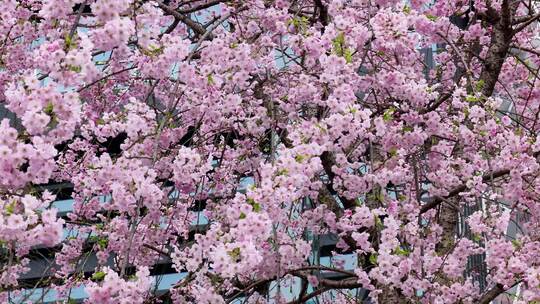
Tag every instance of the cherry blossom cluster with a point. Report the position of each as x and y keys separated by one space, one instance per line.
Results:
x=229 y=139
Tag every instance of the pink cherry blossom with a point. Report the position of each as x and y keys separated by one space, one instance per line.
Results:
x=271 y=151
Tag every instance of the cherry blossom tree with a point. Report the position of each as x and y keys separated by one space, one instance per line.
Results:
x=328 y=107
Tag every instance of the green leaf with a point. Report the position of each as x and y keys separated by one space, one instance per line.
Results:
x=401 y=251
x=10 y=208
x=476 y=237
x=517 y=244
x=98 y=276
x=242 y=215
x=407 y=129
x=132 y=277
x=152 y=51
x=340 y=48
x=300 y=23
x=407 y=9
x=234 y=254
x=347 y=54
x=339 y=40
x=480 y=84
x=470 y=98
x=300 y=158
x=373 y=258
x=49 y=109
x=54 y=121
x=74 y=68
x=431 y=17
x=210 y=79
x=388 y=114
x=69 y=42
x=103 y=242
x=156 y=50
x=257 y=207
x=380 y=196
x=378 y=223
x=339 y=43
x=323 y=129
x=283 y=172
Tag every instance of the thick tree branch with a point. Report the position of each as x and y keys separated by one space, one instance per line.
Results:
x=526 y=23
x=498 y=50
x=324 y=18
x=328 y=161
x=197 y=28
x=493 y=293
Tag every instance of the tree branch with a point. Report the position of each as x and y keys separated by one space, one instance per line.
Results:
x=197 y=28
x=201 y=7
x=493 y=293
x=436 y=104
x=526 y=23
x=436 y=200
